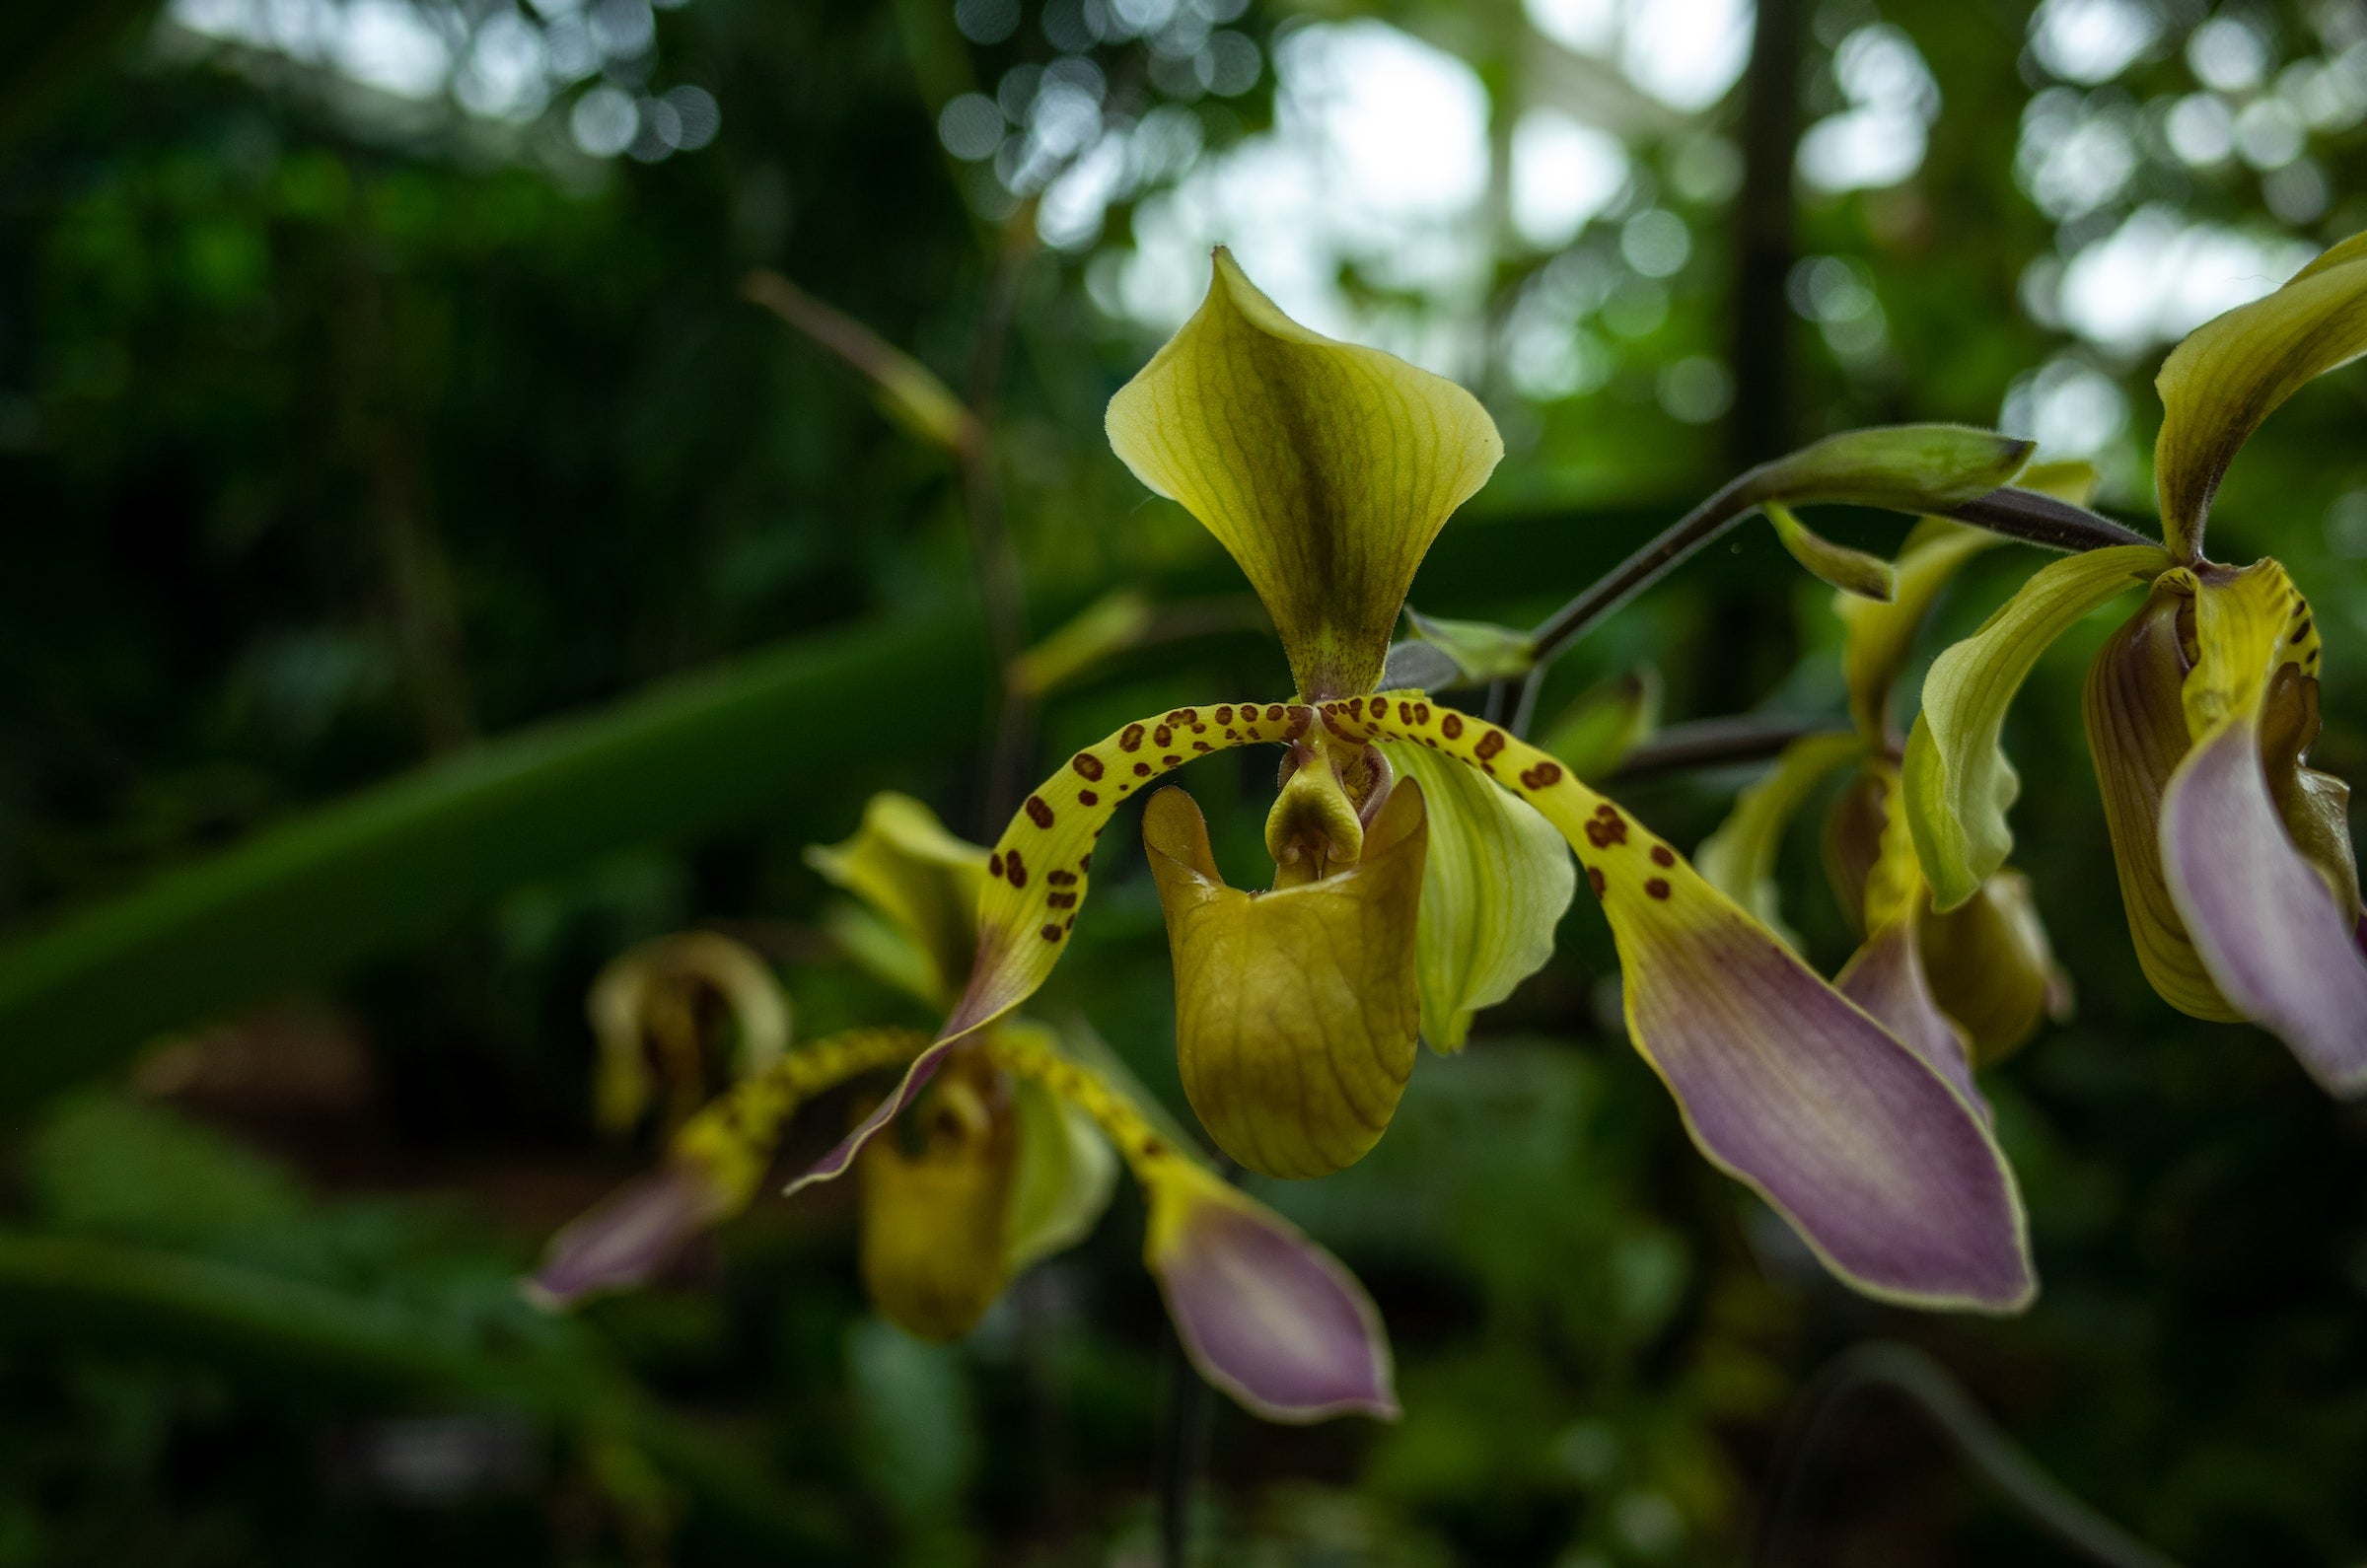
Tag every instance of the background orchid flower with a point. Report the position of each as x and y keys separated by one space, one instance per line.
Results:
x=1009 y=1157
x=1325 y=470
x=2236 y=865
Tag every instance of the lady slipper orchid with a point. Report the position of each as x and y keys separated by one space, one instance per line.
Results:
x=2235 y=858
x=1008 y=1158
x=1325 y=470
x=1963 y=987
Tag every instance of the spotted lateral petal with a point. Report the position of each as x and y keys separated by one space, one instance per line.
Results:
x=1879 y=1164
x=1038 y=873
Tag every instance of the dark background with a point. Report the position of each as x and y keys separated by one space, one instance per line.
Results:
x=361 y=420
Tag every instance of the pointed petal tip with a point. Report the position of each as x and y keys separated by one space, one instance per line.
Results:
x=629 y=1237
x=1265 y=1315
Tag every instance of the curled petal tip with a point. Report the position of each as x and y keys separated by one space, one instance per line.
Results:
x=624 y=1241
x=1265 y=1315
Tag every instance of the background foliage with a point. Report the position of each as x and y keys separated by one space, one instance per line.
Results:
x=400 y=495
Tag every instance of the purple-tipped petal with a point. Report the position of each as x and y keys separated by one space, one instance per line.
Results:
x=2263 y=919
x=841 y=1158
x=1886 y=977
x=622 y=1242
x=1264 y=1313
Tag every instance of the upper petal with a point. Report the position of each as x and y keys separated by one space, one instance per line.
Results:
x=1957 y=782
x=2231 y=372
x=1296 y=1010
x=1495 y=885
x=919 y=879
x=1881 y=1165
x=1326 y=468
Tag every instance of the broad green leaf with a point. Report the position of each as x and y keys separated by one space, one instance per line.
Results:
x=1498 y=880
x=1956 y=781
x=1481 y=651
x=2232 y=371
x=1325 y=469
x=1853 y=572
x=299 y=902
x=1913 y=469
x=1739 y=859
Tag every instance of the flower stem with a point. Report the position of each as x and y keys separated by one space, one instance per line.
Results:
x=1717 y=742
x=1935 y=1391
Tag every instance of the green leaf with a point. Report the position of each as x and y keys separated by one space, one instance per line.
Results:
x=1957 y=780
x=297 y=903
x=1496 y=887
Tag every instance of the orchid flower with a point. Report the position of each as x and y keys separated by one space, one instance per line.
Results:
x=1965 y=987
x=1417 y=877
x=2235 y=857
x=1011 y=1156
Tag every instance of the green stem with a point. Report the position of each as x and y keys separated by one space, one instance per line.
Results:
x=1934 y=1390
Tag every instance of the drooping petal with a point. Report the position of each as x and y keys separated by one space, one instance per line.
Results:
x=1887 y=978
x=920 y=879
x=1296 y=1010
x=1957 y=782
x=1991 y=968
x=2136 y=723
x=2269 y=924
x=935 y=1235
x=1739 y=859
x=1264 y=1313
x=1324 y=467
x=1497 y=882
x=1039 y=869
x=1887 y=1172
x=624 y=1241
x=2233 y=371
x=1854 y=572
x=2260 y=915
x=712 y=1168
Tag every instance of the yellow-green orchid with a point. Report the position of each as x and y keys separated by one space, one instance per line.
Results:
x=1009 y=1157
x=1415 y=880
x=1965 y=987
x=2235 y=858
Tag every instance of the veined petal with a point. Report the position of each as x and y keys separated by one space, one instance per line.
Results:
x=1296 y=1010
x=920 y=879
x=1957 y=782
x=1877 y=1161
x=1739 y=859
x=1497 y=882
x=1887 y=978
x=2270 y=926
x=1325 y=469
x=2136 y=723
x=2259 y=914
x=1039 y=871
x=2232 y=371
x=1264 y=1313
